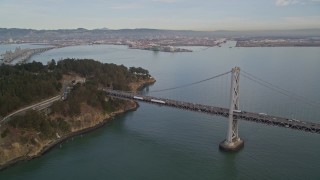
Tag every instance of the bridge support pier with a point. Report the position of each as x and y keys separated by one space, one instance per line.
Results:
x=233 y=141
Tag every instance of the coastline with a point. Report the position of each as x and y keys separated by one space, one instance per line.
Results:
x=55 y=142
x=51 y=145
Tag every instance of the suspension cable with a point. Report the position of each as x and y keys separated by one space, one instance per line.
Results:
x=278 y=89
x=190 y=84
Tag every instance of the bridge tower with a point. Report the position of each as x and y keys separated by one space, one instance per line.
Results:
x=233 y=141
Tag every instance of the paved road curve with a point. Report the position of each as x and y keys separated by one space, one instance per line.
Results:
x=38 y=106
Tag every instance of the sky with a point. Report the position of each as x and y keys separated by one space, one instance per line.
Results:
x=204 y=15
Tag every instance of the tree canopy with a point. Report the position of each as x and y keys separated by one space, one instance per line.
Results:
x=23 y=84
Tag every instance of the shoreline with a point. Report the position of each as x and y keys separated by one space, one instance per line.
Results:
x=50 y=146
x=55 y=142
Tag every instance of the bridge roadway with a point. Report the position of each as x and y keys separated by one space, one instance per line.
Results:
x=23 y=54
x=32 y=52
x=248 y=116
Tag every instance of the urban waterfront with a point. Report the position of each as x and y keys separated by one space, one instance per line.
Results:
x=157 y=142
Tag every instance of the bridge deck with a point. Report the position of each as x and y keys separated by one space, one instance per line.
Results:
x=24 y=54
x=248 y=116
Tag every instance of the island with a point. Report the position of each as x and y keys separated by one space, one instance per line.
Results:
x=43 y=105
x=156 y=47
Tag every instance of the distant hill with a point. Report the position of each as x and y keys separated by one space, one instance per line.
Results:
x=104 y=33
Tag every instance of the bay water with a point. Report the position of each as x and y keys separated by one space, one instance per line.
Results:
x=157 y=142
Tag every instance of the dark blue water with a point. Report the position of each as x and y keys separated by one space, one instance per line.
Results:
x=157 y=142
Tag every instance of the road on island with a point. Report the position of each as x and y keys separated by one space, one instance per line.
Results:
x=38 y=106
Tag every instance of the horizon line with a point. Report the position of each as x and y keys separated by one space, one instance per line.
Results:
x=104 y=28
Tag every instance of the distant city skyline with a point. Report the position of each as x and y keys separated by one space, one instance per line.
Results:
x=202 y=15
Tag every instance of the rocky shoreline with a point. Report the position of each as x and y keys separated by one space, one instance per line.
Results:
x=51 y=145
x=55 y=142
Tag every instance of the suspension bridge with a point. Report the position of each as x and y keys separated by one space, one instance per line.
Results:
x=233 y=142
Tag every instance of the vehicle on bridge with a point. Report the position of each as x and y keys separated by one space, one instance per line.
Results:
x=238 y=111
x=158 y=101
x=138 y=97
x=296 y=120
x=263 y=114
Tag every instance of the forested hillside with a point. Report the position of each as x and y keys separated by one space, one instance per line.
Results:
x=84 y=105
x=21 y=85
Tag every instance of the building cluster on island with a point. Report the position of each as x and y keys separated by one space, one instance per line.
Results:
x=170 y=45
x=156 y=47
